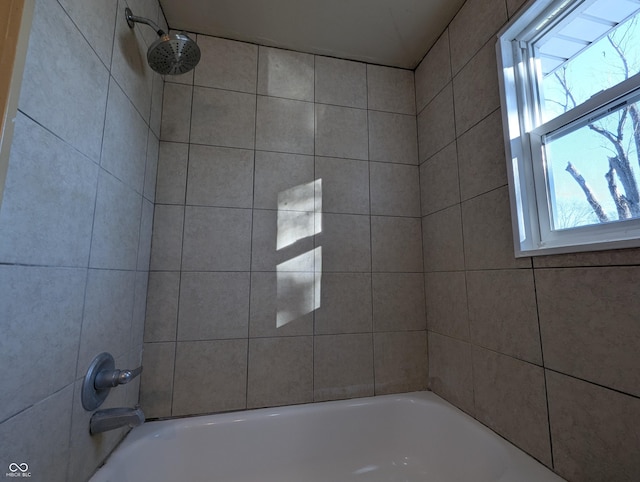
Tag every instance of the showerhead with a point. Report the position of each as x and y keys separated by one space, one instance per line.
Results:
x=170 y=54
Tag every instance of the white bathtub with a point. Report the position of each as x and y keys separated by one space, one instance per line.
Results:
x=408 y=437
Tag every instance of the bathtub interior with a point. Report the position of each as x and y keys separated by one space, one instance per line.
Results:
x=415 y=437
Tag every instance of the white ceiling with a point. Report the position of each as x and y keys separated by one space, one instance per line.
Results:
x=388 y=32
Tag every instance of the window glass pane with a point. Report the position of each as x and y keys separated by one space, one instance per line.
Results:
x=604 y=62
x=593 y=171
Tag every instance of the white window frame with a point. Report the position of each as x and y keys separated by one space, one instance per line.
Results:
x=523 y=134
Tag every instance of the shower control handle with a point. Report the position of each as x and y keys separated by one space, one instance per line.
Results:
x=113 y=378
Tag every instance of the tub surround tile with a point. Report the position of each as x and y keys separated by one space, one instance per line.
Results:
x=139 y=312
x=282 y=304
x=513 y=6
x=434 y=72
x=475 y=89
x=341 y=132
x=47 y=211
x=42 y=307
x=340 y=82
x=162 y=306
x=503 y=314
x=442 y=240
x=589 y=324
x=451 y=370
x=393 y=138
x=594 y=430
x=395 y=189
x=447 y=309
x=345 y=304
x=213 y=306
x=343 y=367
x=488 y=238
x=396 y=244
x=166 y=241
x=280 y=371
x=53 y=75
x=157 y=95
x=285 y=73
x=344 y=241
x=510 y=399
x=615 y=257
x=156 y=381
x=476 y=22
x=439 y=185
x=171 y=183
x=216 y=239
x=436 y=124
x=222 y=118
x=151 y=167
x=45 y=445
x=344 y=185
x=391 y=90
x=202 y=367
x=481 y=157
x=277 y=175
x=227 y=64
x=176 y=112
x=400 y=361
x=398 y=302
x=220 y=176
x=284 y=125
x=146 y=229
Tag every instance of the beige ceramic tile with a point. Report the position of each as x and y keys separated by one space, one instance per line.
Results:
x=451 y=370
x=391 y=90
x=436 y=124
x=488 y=235
x=439 y=187
x=396 y=244
x=395 y=189
x=341 y=132
x=220 y=176
x=593 y=258
x=216 y=239
x=39 y=437
x=172 y=173
x=481 y=157
x=475 y=89
x=502 y=312
x=513 y=6
x=393 y=138
x=139 y=310
x=442 y=240
x=162 y=306
x=343 y=367
x=398 y=302
x=476 y=22
x=202 y=367
x=42 y=308
x=176 y=112
x=166 y=243
x=151 y=167
x=446 y=299
x=344 y=242
x=589 y=324
x=340 y=82
x=344 y=185
x=434 y=72
x=222 y=118
x=156 y=381
x=594 y=430
x=227 y=64
x=285 y=73
x=345 y=304
x=277 y=174
x=280 y=371
x=284 y=125
x=400 y=361
x=510 y=399
x=213 y=306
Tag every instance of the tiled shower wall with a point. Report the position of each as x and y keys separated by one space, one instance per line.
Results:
x=75 y=230
x=544 y=350
x=286 y=264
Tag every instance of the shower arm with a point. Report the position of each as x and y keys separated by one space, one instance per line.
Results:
x=132 y=19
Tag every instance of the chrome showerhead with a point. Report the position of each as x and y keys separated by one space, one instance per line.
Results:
x=170 y=54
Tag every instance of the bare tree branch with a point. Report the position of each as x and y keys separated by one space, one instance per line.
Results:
x=591 y=198
x=622 y=204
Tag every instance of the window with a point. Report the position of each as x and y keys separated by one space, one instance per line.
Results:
x=570 y=93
